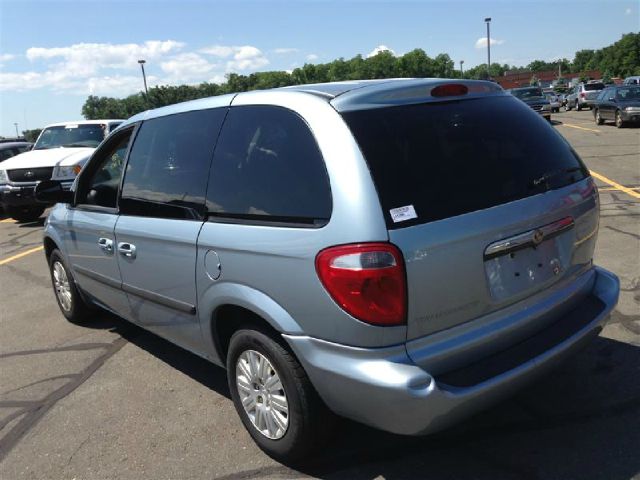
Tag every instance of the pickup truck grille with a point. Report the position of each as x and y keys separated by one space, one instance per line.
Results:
x=537 y=108
x=30 y=174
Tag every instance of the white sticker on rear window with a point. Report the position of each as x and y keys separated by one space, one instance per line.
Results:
x=402 y=214
x=69 y=127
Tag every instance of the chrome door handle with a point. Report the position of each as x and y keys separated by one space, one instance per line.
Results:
x=127 y=249
x=105 y=244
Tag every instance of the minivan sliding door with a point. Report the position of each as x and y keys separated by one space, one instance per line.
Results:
x=162 y=211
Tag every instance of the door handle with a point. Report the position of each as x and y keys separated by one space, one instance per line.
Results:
x=127 y=249
x=105 y=244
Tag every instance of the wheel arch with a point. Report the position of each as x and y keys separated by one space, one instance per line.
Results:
x=225 y=308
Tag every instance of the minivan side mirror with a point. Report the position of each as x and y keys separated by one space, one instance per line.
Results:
x=51 y=191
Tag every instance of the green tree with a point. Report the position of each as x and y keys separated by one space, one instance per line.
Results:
x=31 y=135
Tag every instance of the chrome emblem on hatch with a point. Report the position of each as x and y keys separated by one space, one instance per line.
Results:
x=29 y=174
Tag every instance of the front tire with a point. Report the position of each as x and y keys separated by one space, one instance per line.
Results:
x=619 y=121
x=598 y=118
x=274 y=397
x=71 y=304
x=25 y=214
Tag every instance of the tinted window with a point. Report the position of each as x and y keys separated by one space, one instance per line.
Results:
x=6 y=153
x=450 y=158
x=101 y=187
x=169 y=164
x=525 y=93
x=593 y=86
x=267 y=166
x=628 y=93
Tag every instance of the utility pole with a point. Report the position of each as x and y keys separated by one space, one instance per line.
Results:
x=144 y=76
x=16 y=125
x=488 y=21
x=461 y=71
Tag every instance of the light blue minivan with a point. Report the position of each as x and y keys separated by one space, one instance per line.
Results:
x=398 y=252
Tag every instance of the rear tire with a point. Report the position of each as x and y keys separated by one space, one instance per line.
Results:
x=567 y=107
x=71 y=303
x=25 y=214
x=262 y=371
x=619 y=121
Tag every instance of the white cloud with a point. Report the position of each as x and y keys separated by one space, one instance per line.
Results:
x=627 y=11
x=186 y=67
x=482 y=42
x=312 y=57
x=218 y=51
x=282 y=51
x=5 y=57
x=113 y=69
x=245 y=57
x=88 y=58
x=378 y=49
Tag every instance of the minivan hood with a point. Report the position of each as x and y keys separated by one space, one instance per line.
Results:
x=47 y=158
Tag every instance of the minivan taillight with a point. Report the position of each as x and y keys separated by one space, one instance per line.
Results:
x=367 y=280
x=582 y=94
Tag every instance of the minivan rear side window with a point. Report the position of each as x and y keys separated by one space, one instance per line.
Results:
x=454 y=157
x=267 y=167
x=168 y=167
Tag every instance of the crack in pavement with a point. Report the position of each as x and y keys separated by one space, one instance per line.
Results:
x=33 y=411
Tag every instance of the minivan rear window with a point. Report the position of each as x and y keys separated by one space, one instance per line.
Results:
x=593 y=86
x=450 y=158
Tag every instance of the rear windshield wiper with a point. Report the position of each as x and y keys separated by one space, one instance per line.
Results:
x=544 y=179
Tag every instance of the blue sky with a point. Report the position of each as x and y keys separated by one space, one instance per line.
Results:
x=53 y=54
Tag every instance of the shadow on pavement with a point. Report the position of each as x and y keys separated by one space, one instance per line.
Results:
x=582 y=421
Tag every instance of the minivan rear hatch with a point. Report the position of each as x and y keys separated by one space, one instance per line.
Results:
x=487 y=203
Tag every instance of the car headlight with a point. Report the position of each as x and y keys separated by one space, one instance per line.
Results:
x=546 y=107
x=632 y=109
x=67 y=172
x=3 y=177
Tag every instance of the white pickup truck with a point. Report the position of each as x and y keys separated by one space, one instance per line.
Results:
x=59 y=153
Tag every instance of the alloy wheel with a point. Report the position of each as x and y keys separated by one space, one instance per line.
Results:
x=62 y=286
x=262 y=394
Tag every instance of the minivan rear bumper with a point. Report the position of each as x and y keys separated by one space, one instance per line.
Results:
x=385 y=389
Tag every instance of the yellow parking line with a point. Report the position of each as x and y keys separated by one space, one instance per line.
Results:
x=20 y=255
x=615 y=185
x=7 y=220
x=579 y=128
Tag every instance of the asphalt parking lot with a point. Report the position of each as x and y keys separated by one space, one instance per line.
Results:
x=110 y=400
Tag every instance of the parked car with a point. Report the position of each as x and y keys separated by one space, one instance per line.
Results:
x=533 y=97
x=308 y=240
x=620 y=104
x=59 y=152
x=632 y=80
x=554 y=100
x=11 y=149
x=583 y=95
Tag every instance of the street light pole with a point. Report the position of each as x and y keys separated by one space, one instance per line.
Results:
x=488 y=20
x=144 y=76
x=16 y=125
x=461 y=71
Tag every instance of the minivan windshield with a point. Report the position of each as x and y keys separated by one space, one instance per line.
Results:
x=525 y=93
x=76 y=135
x=449 y=158
x=593 y=86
